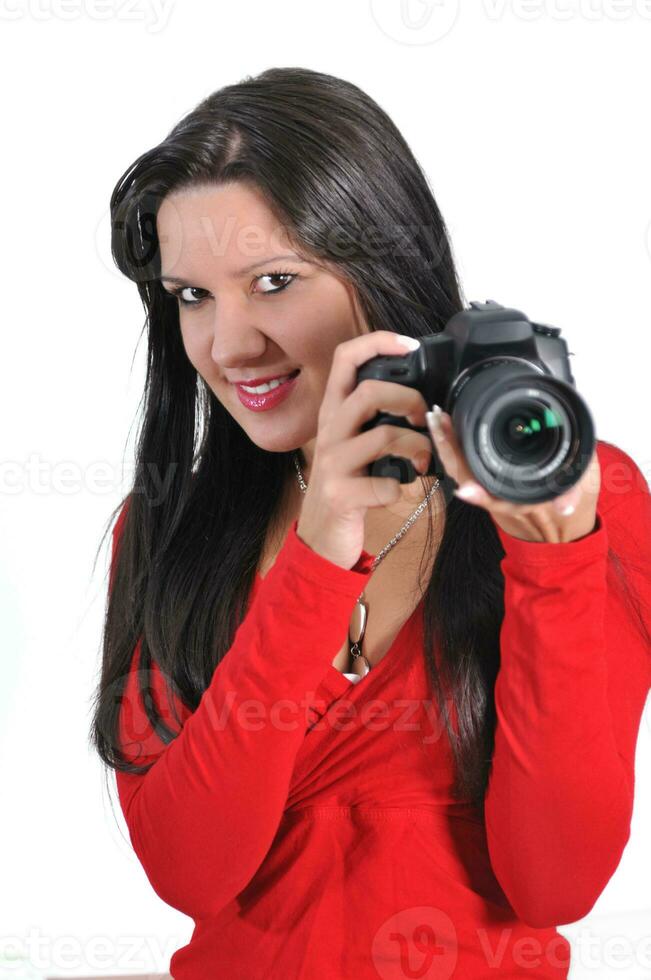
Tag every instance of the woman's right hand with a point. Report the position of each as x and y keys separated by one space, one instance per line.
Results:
x=331 y=521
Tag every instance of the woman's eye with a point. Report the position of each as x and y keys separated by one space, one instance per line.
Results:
x=185 y=301
x=188 y=302
x=276 y=275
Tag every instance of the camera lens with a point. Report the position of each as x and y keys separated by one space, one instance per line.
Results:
x=526 y=435
x=527 y=432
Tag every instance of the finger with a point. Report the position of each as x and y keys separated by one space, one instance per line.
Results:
x=567 y=503
x=350 y=355
x=469 y=489
x=447 y=446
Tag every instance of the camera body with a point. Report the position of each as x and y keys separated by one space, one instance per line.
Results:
x=506 y=383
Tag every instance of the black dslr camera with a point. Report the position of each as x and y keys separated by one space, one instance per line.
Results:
x=506 y=383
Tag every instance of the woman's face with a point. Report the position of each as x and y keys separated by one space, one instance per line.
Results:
x=250 y=314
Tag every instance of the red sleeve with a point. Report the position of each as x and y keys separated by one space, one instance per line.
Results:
x=202 y=819
x=570 y=691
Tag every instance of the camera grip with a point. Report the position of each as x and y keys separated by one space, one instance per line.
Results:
x=401 y=468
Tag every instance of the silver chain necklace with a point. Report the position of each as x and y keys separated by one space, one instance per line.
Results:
x=359 y=617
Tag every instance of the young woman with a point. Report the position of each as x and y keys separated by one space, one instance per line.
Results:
x=359 y=728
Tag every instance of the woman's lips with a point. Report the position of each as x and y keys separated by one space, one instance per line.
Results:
x=268 y=400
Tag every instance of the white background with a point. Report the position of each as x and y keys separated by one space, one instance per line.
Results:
x=531 y=121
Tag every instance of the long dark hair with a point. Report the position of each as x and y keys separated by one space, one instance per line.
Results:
x=332 y=164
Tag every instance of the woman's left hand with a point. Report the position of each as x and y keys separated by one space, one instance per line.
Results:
x=552 y=521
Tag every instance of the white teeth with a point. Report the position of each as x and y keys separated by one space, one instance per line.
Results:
x=268 y=386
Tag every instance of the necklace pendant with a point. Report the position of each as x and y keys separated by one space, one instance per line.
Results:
x=360 y=663
x=358 y=623
x=356 y=635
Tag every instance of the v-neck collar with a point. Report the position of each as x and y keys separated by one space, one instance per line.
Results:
x=334 y=679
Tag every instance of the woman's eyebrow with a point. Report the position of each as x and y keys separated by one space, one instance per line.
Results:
x=243 y=271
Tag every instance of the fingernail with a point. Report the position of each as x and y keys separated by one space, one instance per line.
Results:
x=564 y=507
x=467 y=491
x=434 y=421
x=411 y=343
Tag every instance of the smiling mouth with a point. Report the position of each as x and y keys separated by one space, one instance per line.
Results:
x=265 y=385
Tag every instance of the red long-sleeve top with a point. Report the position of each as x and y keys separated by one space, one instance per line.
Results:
x=306 y=823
